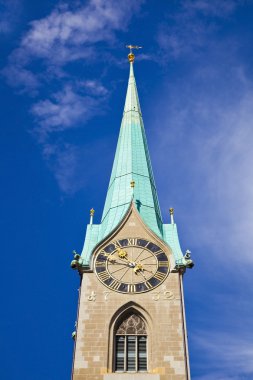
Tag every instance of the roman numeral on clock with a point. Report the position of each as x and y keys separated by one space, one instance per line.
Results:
x=100 y=263
x=162 y=264
x=104 y=275
x=148 y=285
x=131 y=288
x=104 y=253
x=116 y=244
x=115 y=284
x=160 y=276
x=131 y=241
x=158 y=252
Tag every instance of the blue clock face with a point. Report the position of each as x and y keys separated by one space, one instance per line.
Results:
x=131 y=265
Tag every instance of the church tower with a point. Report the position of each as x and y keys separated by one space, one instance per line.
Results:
x=131 y=317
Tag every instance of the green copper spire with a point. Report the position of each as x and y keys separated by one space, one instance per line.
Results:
x=131 y=180
x=132 y=177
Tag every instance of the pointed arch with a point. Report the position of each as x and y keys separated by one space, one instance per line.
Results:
x=121 y=225
x=129 y=338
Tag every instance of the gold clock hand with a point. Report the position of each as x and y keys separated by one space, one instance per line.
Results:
x=149 y=271
x=121 y=253
x=138 y=267
x=114 y=262
x=111 y=259
x=145 y=278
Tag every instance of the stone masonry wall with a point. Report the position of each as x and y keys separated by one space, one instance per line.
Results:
x=161 y=308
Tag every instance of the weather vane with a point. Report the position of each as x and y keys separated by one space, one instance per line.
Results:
x=131 y=54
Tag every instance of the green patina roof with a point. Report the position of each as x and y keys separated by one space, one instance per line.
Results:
x=131 y=163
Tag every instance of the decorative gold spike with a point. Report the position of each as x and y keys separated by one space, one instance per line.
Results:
x=92 y=212
x=132 y=183
x=171 y=211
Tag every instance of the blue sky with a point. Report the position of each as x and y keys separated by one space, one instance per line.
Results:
x=64 y=74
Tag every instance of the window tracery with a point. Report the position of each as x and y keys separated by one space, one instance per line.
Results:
x=131 y=345
x=132 y=325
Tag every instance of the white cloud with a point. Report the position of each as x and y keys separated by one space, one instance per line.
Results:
x=9 y=11
x=191 y=29
x=217 y=8
x=67 y=35
x=231 y=356
x=68 y=162
x=18 y=76
x=209 y=135
x=61 y=35
x=64 y=110
x=65 y=160
x=94 y=88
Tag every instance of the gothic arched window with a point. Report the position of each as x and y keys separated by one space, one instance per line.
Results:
x=131 y=345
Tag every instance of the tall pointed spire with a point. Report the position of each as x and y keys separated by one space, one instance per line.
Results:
x=131 y=164
x=132 y=181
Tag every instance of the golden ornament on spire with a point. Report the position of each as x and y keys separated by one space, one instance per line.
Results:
x=131 y=54
x=171 y=211
x=132 y=183
x=92 y=212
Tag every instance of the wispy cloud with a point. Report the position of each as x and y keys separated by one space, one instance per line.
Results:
x=40 y=63
x=94 y=88
x=231 y=356
x=20 y=77
x=66 y=161
x=72 y=164
x=209 y=132
x=9 y=11
x=188 y=31
x=66 y=109
x=67 y=35
x=64 y=35
x=217 y=8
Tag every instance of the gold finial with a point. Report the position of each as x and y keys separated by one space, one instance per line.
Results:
x=131 y=54
x=132 y=183
x=92 y=212
x=171 y=211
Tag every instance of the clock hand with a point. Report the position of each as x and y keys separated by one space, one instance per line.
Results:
x=111 y=259
x=142 y=275
x=114 y=262
x=109 y=256
x=123 y=255
x=138 y=267
x=148 y=270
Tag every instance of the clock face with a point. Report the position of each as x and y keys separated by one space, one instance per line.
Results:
x=132 y=265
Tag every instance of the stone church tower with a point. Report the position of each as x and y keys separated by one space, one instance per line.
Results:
x=131 y=318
